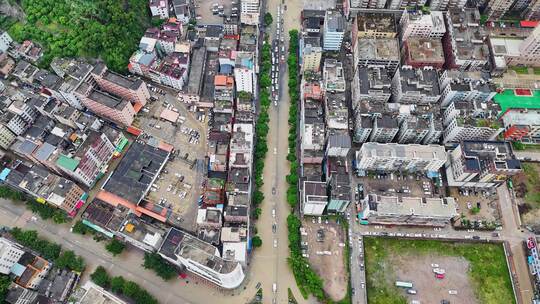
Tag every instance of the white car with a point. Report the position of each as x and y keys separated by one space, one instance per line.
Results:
x=275 y=243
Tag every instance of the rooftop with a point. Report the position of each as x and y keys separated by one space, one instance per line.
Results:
x=377 y=22
x=479 y=154
x=334 y=21
x=107 y=100
x=180 y=244
x=374 y=79
x=418 y=206
x=505 y=46
x=333 y=75
x=337 y=111
x=469 y=36
x=412 y=151
x=378 y=49
x=522 y=117
x=196 y=73
x=423 y=80
x=425 y=50
x=136 y=172
x=518 y=99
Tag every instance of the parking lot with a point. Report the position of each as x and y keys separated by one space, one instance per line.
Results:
x=208 y=11
x=325 y=246
x=179 y=184
x=478 y=206
x=400 y=185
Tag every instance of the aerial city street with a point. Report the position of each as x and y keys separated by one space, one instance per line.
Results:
x=269 y=151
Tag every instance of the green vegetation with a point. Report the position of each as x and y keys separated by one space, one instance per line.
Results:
x=475 y=210
x=108 y=29
x=520 y=70
x=488 y=271
x=161 y=267
x=256 y=241
x=532 y=195
x=517 y=145
x=5 y=282
x=50 y=251
x=115 y=247
x=122 y=287
x=268 y=19
x=294 y=94
x=81 y=228
x=44 y=211
x=257 y=213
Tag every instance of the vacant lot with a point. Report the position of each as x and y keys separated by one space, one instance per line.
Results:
x=478 y=272
x=326 y=255
x=527 y=187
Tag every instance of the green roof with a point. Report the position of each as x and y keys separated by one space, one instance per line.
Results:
x=67 y=163
x=508 y=100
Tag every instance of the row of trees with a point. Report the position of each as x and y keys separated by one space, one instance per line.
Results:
x=63 y=259
x=306 y=278
x=43 y=210
x=122 y=287
x=292 y=63
x=261 y=131
x=109 y=29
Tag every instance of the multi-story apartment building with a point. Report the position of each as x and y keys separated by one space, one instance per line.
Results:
x=7 y=137
x=333 y=30
x=396 y=157
x=336 y=111
x=496 y=9
x=249 y=12
x=403 y=4
x=522 y=125
x=311 y=53
x=532 y=12
x=92 y=157
x=333 y=76
x=201 y=259
x=530 y=48
x=465 y=120
x=481 y=164
x=159 y=8
x=73 y=72
x=465 y=45
x=416 y=86
x=10 y=253
x=312 y=132
x=44 y=186
x=423 y=52
x=375 y=25
x=244 y=72
x=372 y=83
x=422 y=25
x=419 y=129
x=181 y=10
x=314 y=197
x=444 y=5
x=353 y=6
x=462 y=86
x=5 y=41
x=377 y=52
x=133 y=90
x=384 y=129
x=112 y=108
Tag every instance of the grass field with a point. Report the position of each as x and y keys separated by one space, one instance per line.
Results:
x=532 y=195
x=488 y=270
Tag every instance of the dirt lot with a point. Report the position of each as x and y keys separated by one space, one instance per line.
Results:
x=418 y=271
x=330 y=267
x=179 y=184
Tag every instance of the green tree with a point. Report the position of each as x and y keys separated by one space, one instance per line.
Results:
x=258 y=197
x=131 y=289
x=101 y=277
x=517 y=145
x=475 y=210
x=265 y=81
x=256 y=241
x=117 y=284
x=155 y=262
x=268 y=19
x=115 y=247
x=68 y=259
x=5 y=282
x=257 y=213
x=80 y=228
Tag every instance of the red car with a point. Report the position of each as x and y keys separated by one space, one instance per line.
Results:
x=439 y=276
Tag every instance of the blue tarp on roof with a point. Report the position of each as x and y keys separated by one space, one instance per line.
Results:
x=18 y=269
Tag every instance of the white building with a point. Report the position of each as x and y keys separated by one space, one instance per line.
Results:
x=244 y=72
x=530 y=47
x=420 y=25
x=10 y=253
x=5 y=41
x=314 y=197
x=159 y=8
x=334 y=30
x=396 y=157
x=311 y=53
x=249 y=12
x=201 y=259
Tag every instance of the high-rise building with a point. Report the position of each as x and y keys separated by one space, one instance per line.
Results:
x=5 y=41
x=422 y=25
x=333 y=31
x=497 y=8
x=530 y=47
x=311 y=53
x=10 y=253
